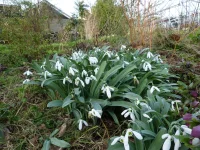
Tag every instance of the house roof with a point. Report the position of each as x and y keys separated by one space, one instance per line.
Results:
x=56 y=9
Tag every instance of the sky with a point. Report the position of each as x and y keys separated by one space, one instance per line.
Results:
x=68 y=6
x=176 y=6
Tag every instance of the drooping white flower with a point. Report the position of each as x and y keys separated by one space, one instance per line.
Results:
x=28 y=73
x=88 y=79
x=58 y=65
x=129 y=112
x=153 y=88
x=81 y=122
x=130 y=132
x=67 y=79
x=43 y=65
x=196 y=141
x=84 y=73
x=107 y=89
x=123 y=47
x=177 y=143
x=176 y=103
x=47 y=74
x=120 y=139
x=95 y=113
x=135 y=80
x=125 y=63
x=167 y=143
x=147 y=66
x=117 y=57
x=157 y=59
x=149 y=55
x=148 y=117
x=108 y=53
x=93 y=60
x=186 y=129
x=77 y=55
x=72 y=71
x=96 y=70
x=78 y=80
x=26 y=81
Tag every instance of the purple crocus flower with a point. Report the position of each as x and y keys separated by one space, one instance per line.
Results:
x=196 y=131
x=187 y=117
x=194 y=93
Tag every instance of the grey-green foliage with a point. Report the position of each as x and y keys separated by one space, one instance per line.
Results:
x=110 y=17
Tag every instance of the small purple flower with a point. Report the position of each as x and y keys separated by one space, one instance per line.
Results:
x=196 y=131
x=187 y=117
x=194 y=103
x=194 y=94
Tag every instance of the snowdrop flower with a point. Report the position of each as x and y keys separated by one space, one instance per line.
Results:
x=130 y=132
x=84 y=73
x=148 y=117
x=135 y=80
x=117 y=57
x=96 y=70
x=129 y=112
x=158 y=59
x=146 y=66
x=43 y=65
x=153 y=88
x=120 y=139
x=108 y=53
x=93 y=60
x=134 y=58
x=167 y=143
x=107 y=90
x=81 y=122
x=95 y=113
x=149 y=55
x=28 y=73
x=58 y=65
x=177 y=143
x=26 y=81
x=47 y=74
x=72 y=71
x=175 y=102
x=67 y=79
x=123 y=47
x=75 y=56
x=196 y=141
x=186 y=129
x=78 y=80
x=88 y=79
x=125 y=63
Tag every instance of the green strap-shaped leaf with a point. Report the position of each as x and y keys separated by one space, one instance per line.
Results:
x=121 y=104
x=100 y=72
x=113 y=115
x=122 y=74
x=109 y=73
x=46 y=145
x=55 y=103
x=59 y=143
x=158 y=141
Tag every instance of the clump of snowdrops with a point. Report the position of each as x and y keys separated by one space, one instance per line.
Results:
x=105 y=82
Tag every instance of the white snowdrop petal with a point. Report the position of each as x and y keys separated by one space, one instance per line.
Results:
x=80 y=124
x=137 y=135
x=195 y=141
x=167 y=144
x=115 y=140
x=123 y=112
